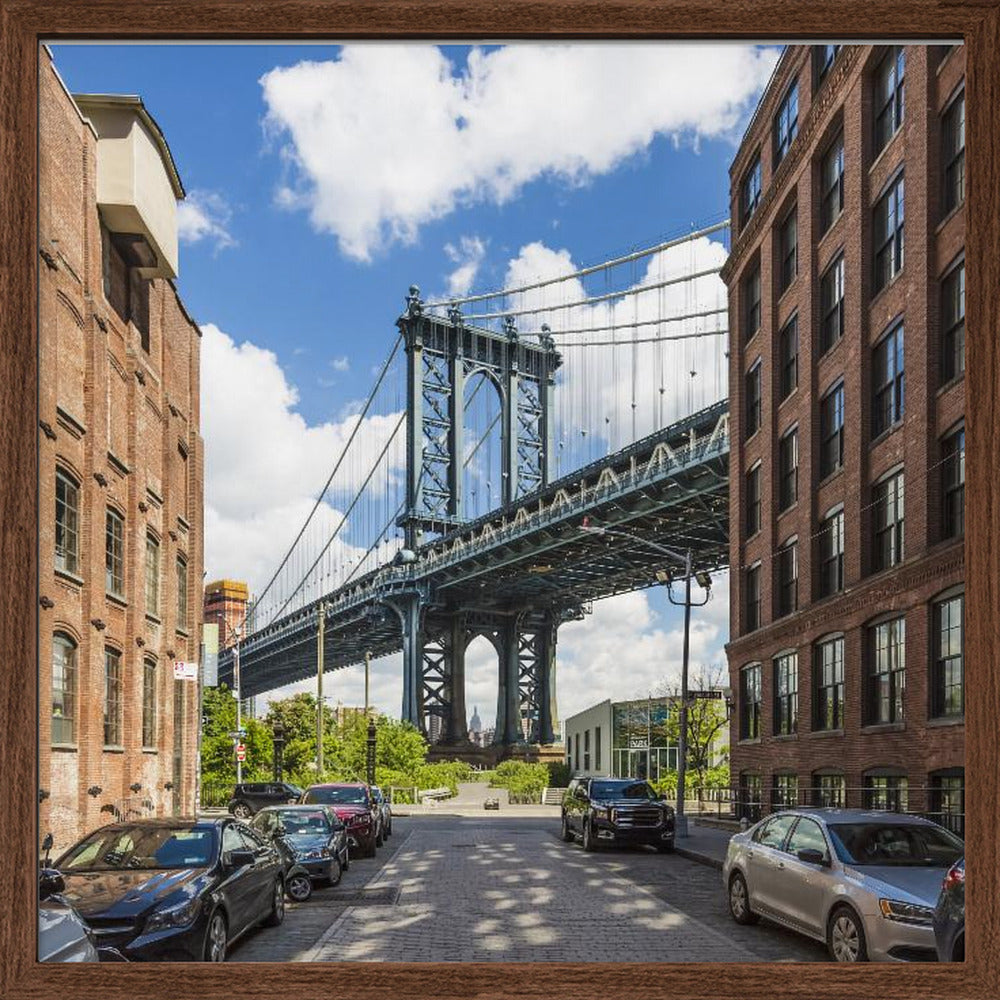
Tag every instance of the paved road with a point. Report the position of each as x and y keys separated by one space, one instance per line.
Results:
x=499 y=889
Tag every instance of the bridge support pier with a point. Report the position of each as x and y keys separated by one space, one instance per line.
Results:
x=526 y=689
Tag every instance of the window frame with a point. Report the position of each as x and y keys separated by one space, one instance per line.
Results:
x=832 y=797
x=889 y=792
x=114 y=552
x=888 y=97
x=828 y=684
x=893 y=700
x=152 y=575
x=754 y=400
x=831 y=430
x=67 y=670
x=788 y=354
x=823 y=60
x=889 y=379
x=752 y=302
x=182 y=588
x=953 y=482
x=750 y=708
x=831 y=186
x=886 y=556
x=754 y=504
x=150 y=677
x=889 y=233
x=953 y=323
x=785 y=676
x=750 y=190
x=113 y=696
x=832 y=526
x=953 y=154
x=754 y=599
x=788 y=588
x=786 y=122
x=66 y=557
x=942 y=659
x=831 y=298
x=788 y=250
x=788 y=474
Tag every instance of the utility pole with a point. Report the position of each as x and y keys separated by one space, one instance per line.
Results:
x=368 y=663
x=680 y=819
x=239 y=703
x=319 y=689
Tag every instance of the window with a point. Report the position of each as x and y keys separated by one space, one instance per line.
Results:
x=597 y=748
x=182 y=594
x=786 y=123
x=750 y=192
x=788 y=250
x=149 y=702
x=831 y=431
x=831 y=295
x=785 y=793
x=889 y=511
x=831 y=178
x=125 y=289
x=953 y=484
x=774 y=831
x=887 y=235
x=823 y=57
x=887 y=673
x=753 y=501
x=953 y=153
x=586 y=749
x=788 y=577
x=788 y=347
x=748 y=806
x=114 y=553
x=807 y=836
x=577 y=744
x=750 y=702
x=63 y=689
x=888 y=381
x=112 y=697
x=788 y=469
x=830 y=790
x=753 y=399
x=786 y=693
x=888 y=96
x=831 y=554
x=888 y=791
x=949 y=657
x=953 y=323
x=751 y=298
x=753 y=597
x=152 y=575
x=829 y=674
x=948 y=800
x=67 y=523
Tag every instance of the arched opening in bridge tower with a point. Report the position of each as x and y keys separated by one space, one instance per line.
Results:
x=482 y=447
x=482 y=674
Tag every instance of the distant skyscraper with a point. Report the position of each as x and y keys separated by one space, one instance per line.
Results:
x=476 y=727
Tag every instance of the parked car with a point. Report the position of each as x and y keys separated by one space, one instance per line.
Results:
x=62 y=934
x=315 y=837
x=949 y=915
x=354 y=805
x=616 y=811
x=173 y=889
x=250 y=797
x=864 y=882
x=385 y=809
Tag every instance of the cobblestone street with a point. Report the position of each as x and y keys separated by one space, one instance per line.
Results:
x=452 y=888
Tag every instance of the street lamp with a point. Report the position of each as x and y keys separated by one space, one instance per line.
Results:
x=370 y=757
x=664 y=577
x=278 y=737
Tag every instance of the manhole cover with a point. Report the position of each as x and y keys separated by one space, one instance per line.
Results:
x=382 y=895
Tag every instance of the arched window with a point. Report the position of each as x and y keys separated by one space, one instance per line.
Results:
x=149 y=702
x=63 y=689
x=67 y=554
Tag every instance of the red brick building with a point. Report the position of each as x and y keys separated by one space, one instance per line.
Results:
x=121 y=460
x=226 y=606
x=846 y=309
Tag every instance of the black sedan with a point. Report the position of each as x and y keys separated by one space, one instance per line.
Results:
x=315 y=835
x=949 y=915
x=173 y=889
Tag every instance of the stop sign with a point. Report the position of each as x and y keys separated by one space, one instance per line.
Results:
x=241 y=752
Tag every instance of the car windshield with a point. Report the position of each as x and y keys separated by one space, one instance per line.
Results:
x=338 y=794
x=621 y=790
x=299 y=821
x=905 y=844
x=141 y=848
x=294 y=790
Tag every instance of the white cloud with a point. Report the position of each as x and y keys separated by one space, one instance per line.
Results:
x=468 y=255
x=340 y=364
x=205 y=215
x=264 y=466
x=482 y=130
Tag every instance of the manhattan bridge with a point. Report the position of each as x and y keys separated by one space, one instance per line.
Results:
x=497 y=427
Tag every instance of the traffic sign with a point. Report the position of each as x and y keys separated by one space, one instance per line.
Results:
x=712 y=695
x=241 y=752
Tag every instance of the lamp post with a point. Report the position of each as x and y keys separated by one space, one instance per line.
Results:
x=370 y=757
x=278 y=736
x=664 y=577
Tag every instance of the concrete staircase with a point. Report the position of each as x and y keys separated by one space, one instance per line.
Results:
x=552 y=796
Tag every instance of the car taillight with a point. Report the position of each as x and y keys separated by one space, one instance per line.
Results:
x=954 y=878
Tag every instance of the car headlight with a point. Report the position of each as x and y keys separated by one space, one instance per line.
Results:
x=905 y=913
x=174 y=916
x=602 y=812
x=312 y=855
x=359 y=820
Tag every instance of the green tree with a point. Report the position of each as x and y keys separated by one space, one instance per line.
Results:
x=218 y=750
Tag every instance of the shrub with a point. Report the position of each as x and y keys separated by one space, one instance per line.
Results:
x=559 y=774
x=520 y=778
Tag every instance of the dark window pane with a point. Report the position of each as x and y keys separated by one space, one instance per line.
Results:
x=887 y=671
x=888 y=96
x=753 y=399
x=953 y=154
x=888 y=380
x=786 y=694
x=832 y=305
x=753 y=501
x=832 y=184
x=788 y=470
x=888 y=517
x=750 y=192
x=788 y=578
x=829 y=673
x=953 y=484
x=831 y=554
x=887 y=234
x=953 y=323
x=786 y=123
x=831 y=424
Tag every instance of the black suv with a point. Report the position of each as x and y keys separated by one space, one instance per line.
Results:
x=248 y=798
x=616 y=811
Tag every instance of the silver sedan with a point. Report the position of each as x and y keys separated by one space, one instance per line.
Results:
x=865 y=882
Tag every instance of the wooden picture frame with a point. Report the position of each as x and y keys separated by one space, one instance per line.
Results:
x=26 y=24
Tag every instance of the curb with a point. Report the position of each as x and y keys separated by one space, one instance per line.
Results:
x=697 y=856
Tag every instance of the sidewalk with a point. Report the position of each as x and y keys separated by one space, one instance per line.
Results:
x=705 y=844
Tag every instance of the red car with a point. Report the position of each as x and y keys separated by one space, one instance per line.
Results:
x=355 y=807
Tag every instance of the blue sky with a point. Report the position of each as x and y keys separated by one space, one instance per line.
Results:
x=323 y=181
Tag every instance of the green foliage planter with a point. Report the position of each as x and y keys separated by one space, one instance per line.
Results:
x=521 y=779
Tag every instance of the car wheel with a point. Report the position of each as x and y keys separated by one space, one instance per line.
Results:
x=388 y=831
x=589 y=843
x=379 y=838
x=739 y=900
x=346 y=864
x=845 y=936
x=277 y=914
x=299 y=888
x=369 y=848
x=336 y=872
x=242 y=811
x=566 y=833
x=216 y=943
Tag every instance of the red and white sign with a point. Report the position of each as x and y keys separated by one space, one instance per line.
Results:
x=185 y=671
x=241 y=752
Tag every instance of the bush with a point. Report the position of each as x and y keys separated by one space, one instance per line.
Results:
x=559 y=774
x=520 y=778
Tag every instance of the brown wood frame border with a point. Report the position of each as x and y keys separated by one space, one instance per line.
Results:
x=23 y=23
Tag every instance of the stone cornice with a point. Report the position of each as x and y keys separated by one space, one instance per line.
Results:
x=870 y=594
x=828 y=94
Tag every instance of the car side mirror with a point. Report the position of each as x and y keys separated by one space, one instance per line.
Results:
x=238 y=859
x=50 y=882
x=811 y=856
